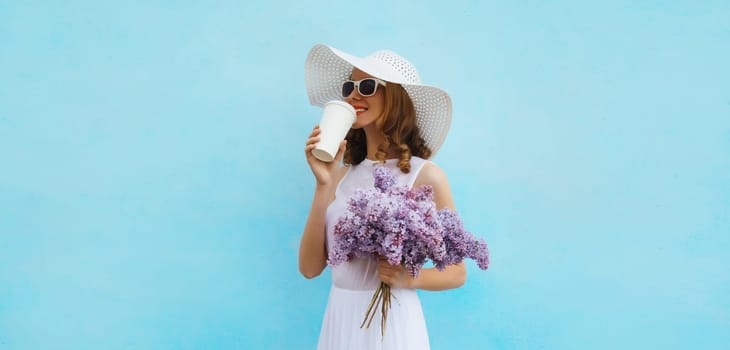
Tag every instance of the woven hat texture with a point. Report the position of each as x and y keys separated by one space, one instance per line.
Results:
x=327 y=68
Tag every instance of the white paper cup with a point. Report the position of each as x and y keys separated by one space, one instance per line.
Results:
x=337 y=119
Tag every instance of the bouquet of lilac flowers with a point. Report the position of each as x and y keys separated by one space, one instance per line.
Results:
x=404 y=227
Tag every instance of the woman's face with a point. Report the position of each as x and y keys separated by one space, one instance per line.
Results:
x=368 y=108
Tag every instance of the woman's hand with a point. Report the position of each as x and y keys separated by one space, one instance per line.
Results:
x=394 y=275
x=324 y=172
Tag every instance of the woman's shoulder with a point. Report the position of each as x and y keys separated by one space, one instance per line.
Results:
x=430 y=174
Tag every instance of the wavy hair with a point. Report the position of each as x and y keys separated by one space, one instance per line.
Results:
x=397 y=124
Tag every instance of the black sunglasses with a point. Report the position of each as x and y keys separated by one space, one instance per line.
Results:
x=365 y=87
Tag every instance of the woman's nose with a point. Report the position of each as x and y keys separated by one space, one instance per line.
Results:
x=354 y=95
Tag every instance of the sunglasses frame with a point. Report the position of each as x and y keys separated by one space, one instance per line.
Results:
x=356 y=87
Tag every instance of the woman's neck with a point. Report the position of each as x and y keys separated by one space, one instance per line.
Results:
x=374 y=139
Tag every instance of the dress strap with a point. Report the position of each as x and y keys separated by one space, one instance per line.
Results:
x=337 y=190
x=416 y=166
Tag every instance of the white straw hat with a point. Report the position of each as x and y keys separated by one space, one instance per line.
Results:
x=327 y=68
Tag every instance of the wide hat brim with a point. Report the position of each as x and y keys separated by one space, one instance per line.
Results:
x=327 y=68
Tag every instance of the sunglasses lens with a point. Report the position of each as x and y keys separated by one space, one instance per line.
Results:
x=367 y=87
x=347 y=88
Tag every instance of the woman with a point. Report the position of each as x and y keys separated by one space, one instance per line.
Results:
x=400 y=124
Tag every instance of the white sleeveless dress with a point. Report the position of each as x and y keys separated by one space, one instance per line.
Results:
x=354 y=282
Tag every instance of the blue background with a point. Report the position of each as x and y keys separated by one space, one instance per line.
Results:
x=153 y=186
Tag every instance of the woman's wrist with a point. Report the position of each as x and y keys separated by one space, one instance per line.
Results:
x=411 y=282
x=326 y=188
x=324 y=194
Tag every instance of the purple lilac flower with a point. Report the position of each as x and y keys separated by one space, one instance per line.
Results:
x=403 y=226
x=460 y=243
x=384 y=180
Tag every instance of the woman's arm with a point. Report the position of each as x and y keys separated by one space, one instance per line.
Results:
x=312 y=252
x=453 y=276
x=312 y=249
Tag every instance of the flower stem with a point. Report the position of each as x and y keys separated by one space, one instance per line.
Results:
x=381 y=299
x=375 y=301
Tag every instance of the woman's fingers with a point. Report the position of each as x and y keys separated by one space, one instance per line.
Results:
x=312 y=140
x=388 y=273
x=394 y=275
x=391 y=279
x=311 y=143
x=314 y=136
